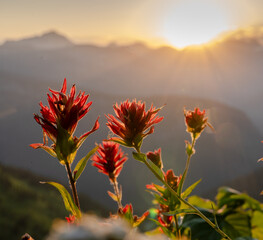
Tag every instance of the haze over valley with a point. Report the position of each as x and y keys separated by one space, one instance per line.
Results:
x=225 y=79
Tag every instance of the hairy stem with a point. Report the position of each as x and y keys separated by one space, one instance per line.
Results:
x=117 y=192
x=186 y=167
x=73 y=185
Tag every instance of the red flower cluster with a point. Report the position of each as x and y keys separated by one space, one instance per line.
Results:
x=195 y=122
x=109 y=159
x=60 y=120
x=132 y=122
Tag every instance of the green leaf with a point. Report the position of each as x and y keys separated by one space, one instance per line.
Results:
x=157 y=170
x=201 y=202
x=237 y=225
x=199 y=228
x=139 y=156
x=249 y=202
x=82 y=164
x=234 y=199
x=65 y=146
x=69 y=204
x=159 y=188
x=234 y=224
x=49 y=150
x=257 y=225
x=180 y=186
x=189 y=149
x=113 y=196
x=119 y=141
x=223 y=196
x=186 y=193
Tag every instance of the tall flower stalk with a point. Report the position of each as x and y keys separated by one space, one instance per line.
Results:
x=59 y=121
x=109 y=159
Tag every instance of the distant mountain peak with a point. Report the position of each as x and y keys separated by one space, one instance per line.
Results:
x=48 y=40
x=53 y=34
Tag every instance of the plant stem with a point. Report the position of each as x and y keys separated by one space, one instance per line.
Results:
x=188 y=204
x=178 y=233
x=186 y=167
x=73 y=185
x=117 y=192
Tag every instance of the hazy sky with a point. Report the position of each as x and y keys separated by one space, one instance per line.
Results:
x=149 y=20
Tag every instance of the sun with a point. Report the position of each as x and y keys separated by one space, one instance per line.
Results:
x=194 y=22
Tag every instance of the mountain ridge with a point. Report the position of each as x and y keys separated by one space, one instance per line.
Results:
x=49 y=40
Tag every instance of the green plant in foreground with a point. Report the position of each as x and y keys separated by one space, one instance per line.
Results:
x=59 y=122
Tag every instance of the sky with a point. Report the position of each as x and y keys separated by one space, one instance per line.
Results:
x=174 y=22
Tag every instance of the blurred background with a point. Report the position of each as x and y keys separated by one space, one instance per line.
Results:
x=184 y=53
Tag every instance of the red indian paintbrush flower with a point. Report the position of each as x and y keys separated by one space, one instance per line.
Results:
x=60 y=120
x=195 y=122
x=109 y=159
x=132 y=122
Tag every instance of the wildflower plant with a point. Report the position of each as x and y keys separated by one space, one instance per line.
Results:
x=129 y=124
x=59 y=121
x=109 y=159
x=175 y=213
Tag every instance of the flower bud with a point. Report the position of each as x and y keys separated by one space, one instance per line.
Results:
x=156 y=158
x=195 y=122
x=172 y=180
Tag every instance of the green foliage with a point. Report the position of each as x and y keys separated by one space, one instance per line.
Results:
x=65 y=147
x=237 y=214
x=188 y=191
x=68 y=202
x=82 y=164
x=139 y=156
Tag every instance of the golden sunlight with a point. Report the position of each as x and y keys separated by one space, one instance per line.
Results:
x=194 y=22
